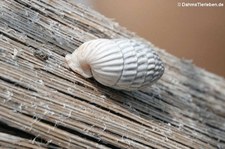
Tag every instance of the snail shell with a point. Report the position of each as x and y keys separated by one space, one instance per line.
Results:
x=126 y=64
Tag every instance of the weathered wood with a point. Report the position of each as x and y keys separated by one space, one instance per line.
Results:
x=45 y=104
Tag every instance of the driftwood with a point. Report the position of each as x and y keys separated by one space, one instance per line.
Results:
x=43 y=104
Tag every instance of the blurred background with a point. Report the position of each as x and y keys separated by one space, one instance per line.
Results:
x=196 y=33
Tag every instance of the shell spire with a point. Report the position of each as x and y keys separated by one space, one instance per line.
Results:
x=126 y=64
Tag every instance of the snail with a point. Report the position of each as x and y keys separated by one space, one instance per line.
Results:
x=125 y=64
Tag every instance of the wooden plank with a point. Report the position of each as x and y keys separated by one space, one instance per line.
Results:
x=42 y=97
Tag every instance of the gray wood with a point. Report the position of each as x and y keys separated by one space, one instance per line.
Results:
x=44 y=104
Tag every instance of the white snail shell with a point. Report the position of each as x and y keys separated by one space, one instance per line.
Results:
x=126 y=64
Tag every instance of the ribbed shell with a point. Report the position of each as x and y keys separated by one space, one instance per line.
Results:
x=126 y=64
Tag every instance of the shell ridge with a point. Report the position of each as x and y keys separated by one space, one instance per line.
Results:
x=148 y=50
x=105 y=52
x=98 y=44
x=122 y=82
x=127 y=64
x=122 y=67
x=102 y=71
x=86 y=50
x=133 y=45
x=105 y=58
x=141 y=72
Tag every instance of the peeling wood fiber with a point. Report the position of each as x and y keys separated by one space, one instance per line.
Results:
x=43 y=104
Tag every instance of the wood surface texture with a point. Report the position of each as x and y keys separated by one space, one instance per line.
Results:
x=44 y=104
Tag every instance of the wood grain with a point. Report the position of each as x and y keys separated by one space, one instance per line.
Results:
x=44 y=104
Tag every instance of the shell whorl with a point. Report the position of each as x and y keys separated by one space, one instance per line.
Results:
x=126 y=64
